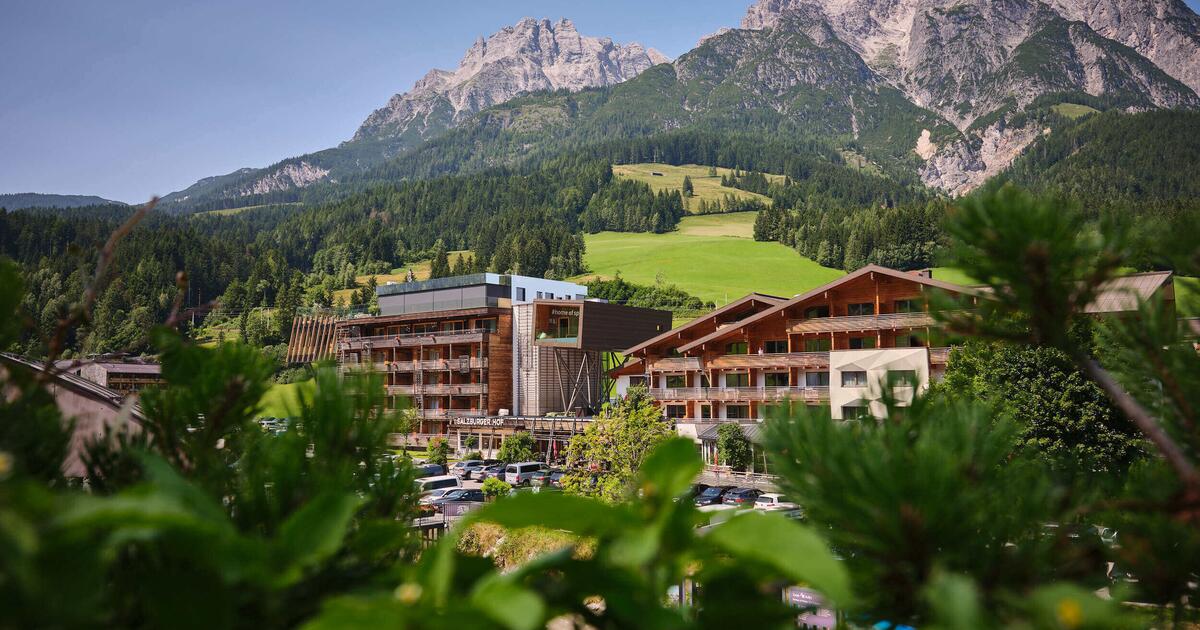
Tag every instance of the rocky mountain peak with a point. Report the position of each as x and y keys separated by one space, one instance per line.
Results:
x=529 y=56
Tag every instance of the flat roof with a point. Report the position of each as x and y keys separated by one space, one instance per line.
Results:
x=435 y=284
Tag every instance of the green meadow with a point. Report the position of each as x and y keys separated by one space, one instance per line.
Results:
x=664 y=177
x=712 y=257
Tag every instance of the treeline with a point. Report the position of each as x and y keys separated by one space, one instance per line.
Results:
x=661 y=296
x=629 y=206
x=903 y=237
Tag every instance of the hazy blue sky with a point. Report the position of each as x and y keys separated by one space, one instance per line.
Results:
x=132 y=98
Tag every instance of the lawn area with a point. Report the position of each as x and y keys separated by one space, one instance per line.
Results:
x=706 y=188
x=420 y=270
x=1187 y=296
x=709 y=256
x=1073 y=110
x=281 y=400
x=232 y=211
x=953 y=276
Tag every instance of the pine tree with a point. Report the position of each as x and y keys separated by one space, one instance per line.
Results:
x=460 y=267
x=440 y=267
x=688 y=189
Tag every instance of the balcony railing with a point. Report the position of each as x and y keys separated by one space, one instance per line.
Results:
x=720 y=394
x=856 y=323
x=451 y=413
x=939 y=356
x=811 y=360
x=432 y=365
x=413 y=339
x=438 y=389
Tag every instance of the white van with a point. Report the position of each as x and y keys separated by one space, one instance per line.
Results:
x=521 y=474
x=437 y=483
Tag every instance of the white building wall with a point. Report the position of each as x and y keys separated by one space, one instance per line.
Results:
x=876 y=363
x=559 y=289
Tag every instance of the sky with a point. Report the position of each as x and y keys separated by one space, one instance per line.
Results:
x=132 y=98
x=135 y=98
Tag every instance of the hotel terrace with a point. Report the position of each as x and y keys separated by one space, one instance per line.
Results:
x=835 y=345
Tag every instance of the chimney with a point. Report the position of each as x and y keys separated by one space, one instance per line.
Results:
x=924 y=273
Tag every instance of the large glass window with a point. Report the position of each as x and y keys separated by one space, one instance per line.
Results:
x=676 y=411
x=862 y=343
x=814 y=312
x=705 y=412
x=777 y=379
x=903 y=378
x=637 y=381
x=738 y=347
x=907 y=306
x=820 y=344
x=855 y=412
x=737 y=412
x=489 y=325
x=676 y=381
x=816 y=379
x=864 y=308
x=775 y=347
x=737 y=380
x=854 y=379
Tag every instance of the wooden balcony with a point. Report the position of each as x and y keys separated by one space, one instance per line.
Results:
x=860 y=323
x=803 y=360
x=939 y=356
x=413 y=339
x=676 y=364
x=434 y=365
x=468 y=389
x=740 y=394
x=451 y=413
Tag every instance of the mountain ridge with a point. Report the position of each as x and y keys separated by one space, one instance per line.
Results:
x=21 y=201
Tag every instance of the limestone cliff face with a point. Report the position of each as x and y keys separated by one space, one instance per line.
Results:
x=531 y=56
x=974 y=62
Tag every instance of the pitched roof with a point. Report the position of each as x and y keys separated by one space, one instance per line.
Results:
x=753 y=297
x=76 y=384
x=753 y=432
x=1122 y=294
x=869 y=269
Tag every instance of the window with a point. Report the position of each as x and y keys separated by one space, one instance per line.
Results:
x=676 y=381
x=520 y=294
x=704 y=380
x=705 y=412
x=855 y=412
x=907 y=306
x=854 y=379
x=815 y=312
x=737 y=412
x=821 y=344
x=816 y=379
x=903 y=378
x=865 y=308
x=737 y=380
x=540 y=295
x=489 y=325
x=862 y=343
x=676 y=411
x=637 y=381
x=738 y=347
x=775 y=347
x=778 y=379
x=909 y=341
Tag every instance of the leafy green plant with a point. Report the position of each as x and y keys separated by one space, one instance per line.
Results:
x=603 y=461
x=437 y=451
x=495 y=487
x=733 y=448
x=517 y=447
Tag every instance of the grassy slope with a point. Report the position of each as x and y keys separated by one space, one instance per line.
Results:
x=280 y=401
x=1073 y=110
x=420 y=270
x=706 y=188
x=711 y=257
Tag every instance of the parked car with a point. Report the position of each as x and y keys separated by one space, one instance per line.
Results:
x=429 y=470
x=741 y=497
x=459 y=494
x=521 y=474
x=459 y=469
x=495 y=471
x=542 y=477
x=555 y=479
x=773 y=502
x=711 y=495
x=443 y=482
x=695 y=491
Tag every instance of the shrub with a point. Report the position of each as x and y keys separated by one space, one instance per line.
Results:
x=493 y=487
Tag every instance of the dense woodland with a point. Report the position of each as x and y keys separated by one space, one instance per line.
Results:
x=531 y=219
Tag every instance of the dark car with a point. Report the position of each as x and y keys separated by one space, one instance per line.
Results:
x=460 y=495
x=541 y=477
x=555 y=479
x=741 y=497
x=488 y=472
x=711 y=495
x=696 y=490
x=428 y=470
